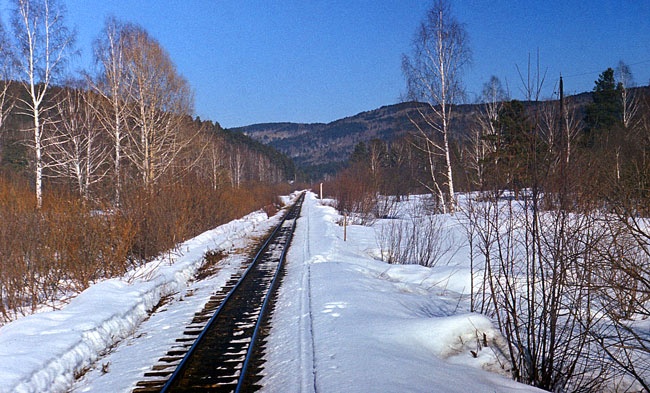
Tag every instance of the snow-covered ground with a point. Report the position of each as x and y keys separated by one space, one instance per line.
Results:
x=107 y=330
x=344 y=321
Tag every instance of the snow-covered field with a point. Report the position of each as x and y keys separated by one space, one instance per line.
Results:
x=345 y=321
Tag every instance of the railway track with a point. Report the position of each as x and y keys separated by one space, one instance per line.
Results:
x=221 y=349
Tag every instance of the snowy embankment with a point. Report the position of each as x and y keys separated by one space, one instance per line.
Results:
x=43 y=352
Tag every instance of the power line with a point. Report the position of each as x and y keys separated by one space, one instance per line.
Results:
x=598 y=72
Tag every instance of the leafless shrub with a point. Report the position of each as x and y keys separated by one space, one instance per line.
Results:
x=386 y=206
x=419 y=238
x=52 y=253
x=355 y=195
x=537 y=271
x=622 y=289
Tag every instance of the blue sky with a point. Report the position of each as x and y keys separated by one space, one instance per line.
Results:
x=318 y=61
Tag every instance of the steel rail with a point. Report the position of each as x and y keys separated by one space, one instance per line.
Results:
x=181 y=367
x=267 y=299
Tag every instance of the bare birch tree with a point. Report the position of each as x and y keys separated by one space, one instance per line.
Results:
x=214 y=161
x=43 y=45
x=75 y=150
x=492 y=98
x=112 y=85
x=484 y=136
x=559 y=129
x=433 y=76
x=161 y=100
x=236 y=166
x=629 y=102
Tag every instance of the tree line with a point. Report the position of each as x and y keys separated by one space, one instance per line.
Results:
x=103 y=169
x=127 y=120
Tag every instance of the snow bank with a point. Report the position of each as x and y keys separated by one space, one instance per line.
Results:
x=43 y=352
x=469 y=339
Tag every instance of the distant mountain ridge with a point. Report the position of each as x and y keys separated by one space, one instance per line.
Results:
x=319 y=149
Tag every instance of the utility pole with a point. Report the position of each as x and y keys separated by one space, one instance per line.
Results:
x=564 y=149
x=563 y=124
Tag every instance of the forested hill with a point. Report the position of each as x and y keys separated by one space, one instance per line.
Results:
x=233 y=156
x=319 y=149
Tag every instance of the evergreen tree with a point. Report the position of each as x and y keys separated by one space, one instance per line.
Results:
x=359 y=154
x=604 y=114
x=512 y=145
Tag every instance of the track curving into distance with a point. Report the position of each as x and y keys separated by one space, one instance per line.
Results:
x=221 y=350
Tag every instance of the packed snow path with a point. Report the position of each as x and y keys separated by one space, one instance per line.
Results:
x=344 y=320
